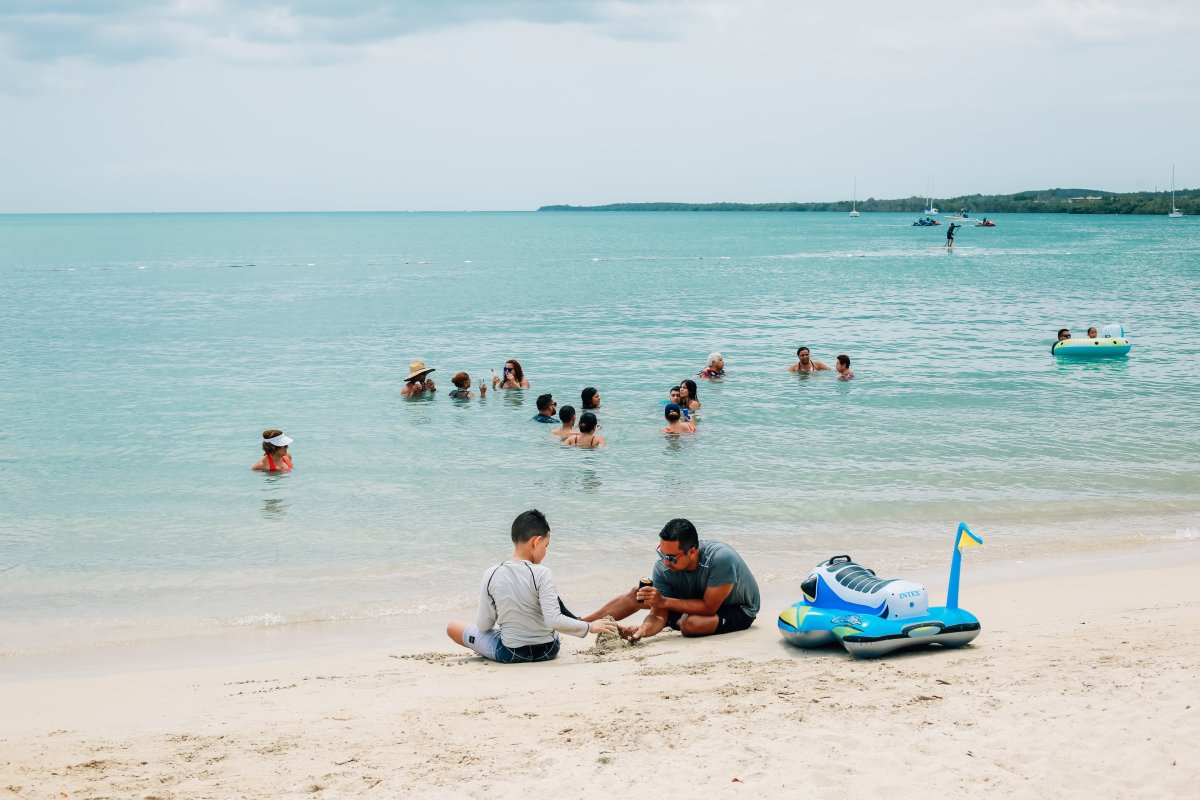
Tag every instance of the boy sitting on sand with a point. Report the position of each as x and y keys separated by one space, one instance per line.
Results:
x=519 y=611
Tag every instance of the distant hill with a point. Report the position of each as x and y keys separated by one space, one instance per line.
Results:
x=1053 y=201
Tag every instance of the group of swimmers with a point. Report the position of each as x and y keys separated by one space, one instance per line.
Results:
x=575 y=428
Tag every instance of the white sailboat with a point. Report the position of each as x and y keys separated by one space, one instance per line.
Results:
x=1175 y=212
x=930 y=211
x=854 y=203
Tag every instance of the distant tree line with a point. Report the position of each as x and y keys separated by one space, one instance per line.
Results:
x=1047 y=201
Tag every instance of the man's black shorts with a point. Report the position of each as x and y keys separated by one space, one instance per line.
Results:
x=730 y=618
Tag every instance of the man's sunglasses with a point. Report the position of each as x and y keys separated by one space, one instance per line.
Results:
x=670 y=559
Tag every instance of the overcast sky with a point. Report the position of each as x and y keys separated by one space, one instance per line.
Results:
x=201 y=105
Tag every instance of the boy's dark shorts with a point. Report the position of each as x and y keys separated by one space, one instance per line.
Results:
x=729 y=619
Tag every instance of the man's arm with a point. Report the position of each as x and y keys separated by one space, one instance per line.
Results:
x=714 y=598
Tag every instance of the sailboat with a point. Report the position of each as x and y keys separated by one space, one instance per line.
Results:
x=930 y=211
x=1175 y=212
x=854 y=204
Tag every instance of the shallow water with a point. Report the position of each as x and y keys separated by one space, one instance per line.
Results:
x=143 y=355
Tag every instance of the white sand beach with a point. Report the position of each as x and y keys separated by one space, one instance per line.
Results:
x=1084 y=683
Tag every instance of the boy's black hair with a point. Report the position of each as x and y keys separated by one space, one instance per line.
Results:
x=529 y=524
x=566 y=413
x=682 y=531
x=844 y=360
x=543 y=402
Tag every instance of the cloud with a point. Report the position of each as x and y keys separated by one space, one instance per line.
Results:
x=125 y=31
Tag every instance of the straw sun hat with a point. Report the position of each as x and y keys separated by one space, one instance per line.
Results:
x=417 y=369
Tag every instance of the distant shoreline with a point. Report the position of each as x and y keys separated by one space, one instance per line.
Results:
x=1044 y=201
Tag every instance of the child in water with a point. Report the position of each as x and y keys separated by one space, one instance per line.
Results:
x=275 y=452
x=675 y=421
x=843 y=368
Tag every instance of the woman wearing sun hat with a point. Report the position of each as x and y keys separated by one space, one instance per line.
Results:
x=275 y=452
x=416 y=383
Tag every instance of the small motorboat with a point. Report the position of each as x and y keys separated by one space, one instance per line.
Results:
x=985 y=223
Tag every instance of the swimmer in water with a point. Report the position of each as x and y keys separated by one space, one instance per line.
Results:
x=805 y=364
x=275 y=452
x=514 y=376
x=462 y=387
x=843 y=368
x=566 y=415
x=590 y=398
x=715 y=368
x=418 y=381
x=1093 y=333
x=587 y=437
x=675 y=421
x=687 y=397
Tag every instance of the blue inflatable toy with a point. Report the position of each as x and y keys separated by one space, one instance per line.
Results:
x=845 y=603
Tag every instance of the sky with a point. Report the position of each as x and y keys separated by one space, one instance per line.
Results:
x=332 y=105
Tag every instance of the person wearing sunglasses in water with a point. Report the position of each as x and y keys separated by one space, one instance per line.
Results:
x=698 y=587
x=514 y=376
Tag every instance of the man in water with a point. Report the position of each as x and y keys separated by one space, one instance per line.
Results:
x=1063 y=334
x=546 y=407
x=699 y=587
x=950 y=235
x=715 y=368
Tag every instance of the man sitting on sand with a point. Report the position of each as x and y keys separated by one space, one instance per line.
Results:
x=700 y=588
x=519 y=610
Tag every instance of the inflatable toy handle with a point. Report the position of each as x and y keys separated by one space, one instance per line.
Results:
x=960 y=541
x=837 y=560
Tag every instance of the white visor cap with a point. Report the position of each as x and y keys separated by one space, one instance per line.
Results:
x=279 y=441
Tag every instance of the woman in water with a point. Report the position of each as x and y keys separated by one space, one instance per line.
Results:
x=275 y=452
x=806 y=364
x=675 y=421
x=462 y=387
x=687 y=397
x=590 y=397
x=514 y=376
x=586 y=438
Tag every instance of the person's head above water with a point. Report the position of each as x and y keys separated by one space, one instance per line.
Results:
x=566 y=415
x=674 y=395
x=273 y=441
x=417 y=371
x=587 y=422
x=512 y=369
x=803 y=353
x=716 y=361
x=1092 y=333
x=687 y=390
x=590 y=398
x=462 y=380
x=1064 y=333
x=672 y=412
x=546 y=404
x=844 y=360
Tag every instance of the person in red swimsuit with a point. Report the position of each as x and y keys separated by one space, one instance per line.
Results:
x=275 y=452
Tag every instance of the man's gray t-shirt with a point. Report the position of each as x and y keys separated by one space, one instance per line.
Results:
x=719 y=564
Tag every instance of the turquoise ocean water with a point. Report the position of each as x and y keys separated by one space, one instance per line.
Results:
x=144 y=354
